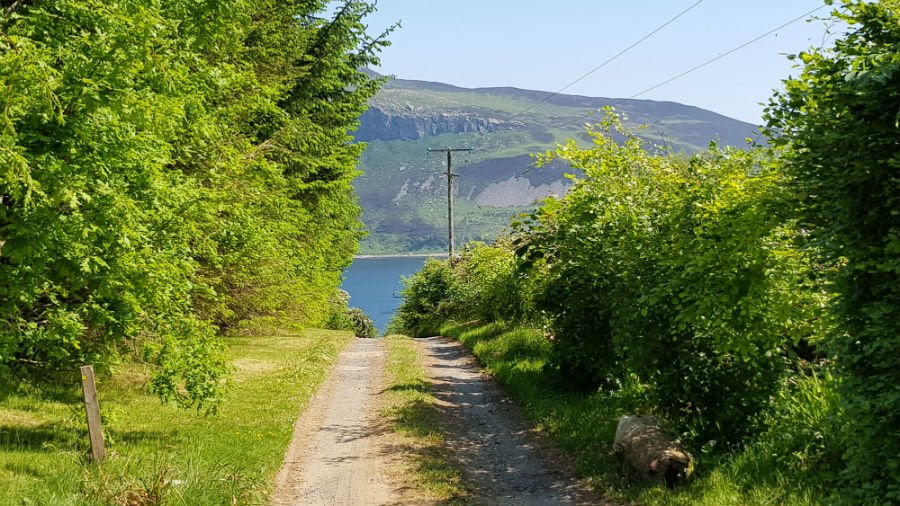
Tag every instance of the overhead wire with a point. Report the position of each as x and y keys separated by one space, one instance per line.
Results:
x=667 y=81
x=730 y=51
x=682 y=74
x=607 y=62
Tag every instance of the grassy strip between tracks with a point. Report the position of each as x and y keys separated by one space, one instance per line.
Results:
x=414 y=416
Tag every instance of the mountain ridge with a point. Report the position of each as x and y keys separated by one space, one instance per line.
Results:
x=402 y=189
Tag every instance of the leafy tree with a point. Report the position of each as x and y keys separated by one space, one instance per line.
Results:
x=839 y=124
x=168 y=169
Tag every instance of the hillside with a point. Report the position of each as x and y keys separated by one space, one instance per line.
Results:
x=403 y=191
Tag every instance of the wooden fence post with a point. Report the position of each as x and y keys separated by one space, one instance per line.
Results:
x=92 y=408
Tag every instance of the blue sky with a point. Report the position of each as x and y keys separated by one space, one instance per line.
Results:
x=544 y=45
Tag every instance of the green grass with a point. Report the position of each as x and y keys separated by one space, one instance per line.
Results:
x=160 y=454
x=584 y=425
x=415 y=418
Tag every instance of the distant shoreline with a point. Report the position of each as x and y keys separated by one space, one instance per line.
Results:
x=403 y=255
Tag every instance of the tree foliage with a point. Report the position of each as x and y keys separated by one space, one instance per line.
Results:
x=353 y=319
x=362 y=324
x=168 y=169
x=839 y=123
x=483 y=285
x=684 y=271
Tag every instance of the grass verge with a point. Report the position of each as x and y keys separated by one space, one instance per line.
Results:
x=414 y=416
x=160 y=454
x=584 y=425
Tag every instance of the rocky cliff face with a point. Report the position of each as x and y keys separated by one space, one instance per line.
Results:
x=376 y=124
x=518 y=191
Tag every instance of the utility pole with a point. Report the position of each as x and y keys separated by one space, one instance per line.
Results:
x=450 y=176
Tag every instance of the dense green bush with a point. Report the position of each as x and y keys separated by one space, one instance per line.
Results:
x=685 y=271
x=839 y=126
x=484 y=284
x=426 y=300
x=342 y=317
x=168 y=169
x=488 y=286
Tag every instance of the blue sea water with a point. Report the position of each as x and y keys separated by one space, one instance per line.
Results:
x=374 y=284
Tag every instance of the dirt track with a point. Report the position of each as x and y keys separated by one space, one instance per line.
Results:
x=502 y=461
x=336 y=455
x=342 y=453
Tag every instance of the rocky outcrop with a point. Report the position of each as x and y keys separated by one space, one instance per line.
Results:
x=376 y=124
x=648 y=454
x=518 y=191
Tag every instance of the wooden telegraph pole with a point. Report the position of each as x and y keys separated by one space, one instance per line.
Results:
x=450 y=176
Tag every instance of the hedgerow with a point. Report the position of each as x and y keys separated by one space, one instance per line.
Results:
x=426 y=301
x=838 y=124
x=687 y=278
x=684 y=271
x=484 y=284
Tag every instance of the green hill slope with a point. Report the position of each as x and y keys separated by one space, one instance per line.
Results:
x=404 y=192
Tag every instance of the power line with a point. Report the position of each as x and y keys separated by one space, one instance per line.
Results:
x=723 y=55
x=607 y=62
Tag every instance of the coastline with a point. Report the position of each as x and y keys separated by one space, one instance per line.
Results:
x=403 y=255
